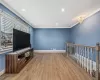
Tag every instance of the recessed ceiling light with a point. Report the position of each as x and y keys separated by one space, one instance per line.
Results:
x=24 y=10
x=56 y=24
x=63 y=10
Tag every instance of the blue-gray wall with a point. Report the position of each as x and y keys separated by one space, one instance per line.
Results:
x=47 y=38
x=88 y=32
x=2 y=62
x=2 y=56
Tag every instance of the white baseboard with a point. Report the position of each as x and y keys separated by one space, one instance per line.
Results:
x=49 y=51
x=2 y=72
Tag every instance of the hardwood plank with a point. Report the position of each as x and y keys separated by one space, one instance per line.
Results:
x=49 y=67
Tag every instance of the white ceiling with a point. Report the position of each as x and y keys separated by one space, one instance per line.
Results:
x=46 y=13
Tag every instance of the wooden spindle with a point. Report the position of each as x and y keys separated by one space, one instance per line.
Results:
x=92 y=72
x=67 y=49
x=77 y=54
x=83 y=56
x=97 y=61
x=93 y=66
x=91 y=61
x=87 y=59
x=80 y=56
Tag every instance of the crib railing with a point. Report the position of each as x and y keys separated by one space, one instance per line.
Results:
x=88 y=57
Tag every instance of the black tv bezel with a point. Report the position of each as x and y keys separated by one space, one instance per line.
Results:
x=13 y=40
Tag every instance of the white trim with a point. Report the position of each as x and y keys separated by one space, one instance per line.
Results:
x=94 y=12
x=2 y=72
x=74 y=24
x=49 y=51
x=52 y=27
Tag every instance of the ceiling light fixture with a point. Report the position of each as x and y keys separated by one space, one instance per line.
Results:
x=81 y=18
x=63 y=10
x=23 y=10
x=56 y=24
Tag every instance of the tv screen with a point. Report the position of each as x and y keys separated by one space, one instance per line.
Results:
x=20 y=40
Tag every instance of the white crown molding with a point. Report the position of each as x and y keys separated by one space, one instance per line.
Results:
x=52 y=27
x=74 y=24
x=94 y=12
x=15 y=12
x=49 y=51
x=2 y=72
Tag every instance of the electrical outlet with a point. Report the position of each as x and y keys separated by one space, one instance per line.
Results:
x=54 y=48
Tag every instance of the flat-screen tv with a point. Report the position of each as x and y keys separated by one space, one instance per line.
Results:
x=20 y=40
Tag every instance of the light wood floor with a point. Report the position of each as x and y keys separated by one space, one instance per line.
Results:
x=49 y=67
